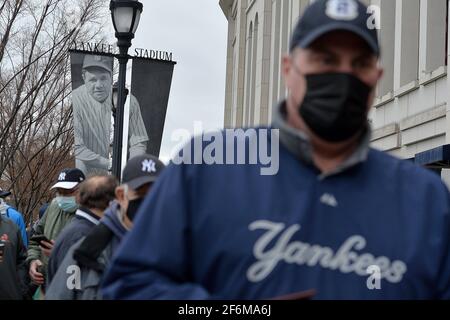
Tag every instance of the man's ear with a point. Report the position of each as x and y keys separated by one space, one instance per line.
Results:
x=286 y=61
x=380 y=73
x=120 y=193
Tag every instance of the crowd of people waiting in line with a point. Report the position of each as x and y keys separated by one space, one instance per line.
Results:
x=81 y=227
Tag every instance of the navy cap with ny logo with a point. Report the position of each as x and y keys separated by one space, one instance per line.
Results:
x=69 y=179
x=141 y=170
x=324 y=16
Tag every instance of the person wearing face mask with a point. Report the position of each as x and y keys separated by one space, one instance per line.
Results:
x=11 y=213
x=59 y=213
x=94 y=196
x=93 y=253
x=339 y=217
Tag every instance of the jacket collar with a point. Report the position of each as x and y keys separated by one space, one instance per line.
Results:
x=87 y=214
x=298 y=143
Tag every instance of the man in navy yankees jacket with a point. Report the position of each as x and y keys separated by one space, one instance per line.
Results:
x=337 y=217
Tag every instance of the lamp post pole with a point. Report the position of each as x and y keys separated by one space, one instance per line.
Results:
x=125 y=16
x=118 y=132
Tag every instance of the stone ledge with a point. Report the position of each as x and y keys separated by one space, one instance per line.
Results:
x=407 y=88
x=429 y=77
x=388 y=143
x=409 y=142
x=383 y=100
x=385 y=131
x=424 y=117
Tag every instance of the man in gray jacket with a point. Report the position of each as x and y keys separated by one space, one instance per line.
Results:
x=13 y=268
x=80 y=273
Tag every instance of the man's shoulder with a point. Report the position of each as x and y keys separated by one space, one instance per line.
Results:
x=55 y=215
x=12 y=212
x=79 y=97
x=405 y=169
x=75 y=228
x=52 y=210
x=134 y=100
x=81 y=89
x=6 y=224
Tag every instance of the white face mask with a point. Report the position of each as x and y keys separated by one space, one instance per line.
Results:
x=3 y=206
x=67 y=204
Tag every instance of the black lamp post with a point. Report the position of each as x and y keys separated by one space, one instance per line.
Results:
x=125 y=16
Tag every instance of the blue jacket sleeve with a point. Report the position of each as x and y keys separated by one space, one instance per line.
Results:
x=153 y=261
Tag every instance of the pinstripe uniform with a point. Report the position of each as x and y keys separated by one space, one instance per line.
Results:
x=138 y=138
x=92 y=124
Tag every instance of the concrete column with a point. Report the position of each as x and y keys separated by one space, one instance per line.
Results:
x=253 y=101
x=284 y=45
x=228 y=116
x=387 y=42
x=263 y=63
x=275 y=55
x=248 y=73
x=241 y=22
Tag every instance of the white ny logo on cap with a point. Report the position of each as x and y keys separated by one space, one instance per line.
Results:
x=342 y=9
x=148 y=166
x=62 y=176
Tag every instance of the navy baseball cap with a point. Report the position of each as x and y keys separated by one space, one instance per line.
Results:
x=141 y=170
x=324 y=16
x=4 y=193
x=69 y=179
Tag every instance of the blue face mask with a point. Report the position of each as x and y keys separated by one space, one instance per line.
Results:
x=67 y=203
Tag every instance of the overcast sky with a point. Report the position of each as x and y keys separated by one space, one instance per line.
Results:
x=196 y=33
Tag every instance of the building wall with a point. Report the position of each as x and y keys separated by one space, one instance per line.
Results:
x=258 y=36
x=411 y=113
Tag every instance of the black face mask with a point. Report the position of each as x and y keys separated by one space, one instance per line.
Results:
x=133 y=207
x=335 y=105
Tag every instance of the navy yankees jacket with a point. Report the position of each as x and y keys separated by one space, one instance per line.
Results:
x=375 y=228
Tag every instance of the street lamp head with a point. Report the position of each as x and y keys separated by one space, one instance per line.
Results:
x=125 y=15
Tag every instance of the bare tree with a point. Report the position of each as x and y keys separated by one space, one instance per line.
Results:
x=36 y=129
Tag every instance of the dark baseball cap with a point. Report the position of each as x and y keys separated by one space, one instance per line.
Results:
x=141 y=170
x=69 y=179
x=324 y=16
x=4 y=194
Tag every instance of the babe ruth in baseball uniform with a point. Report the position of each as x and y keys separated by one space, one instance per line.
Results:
x=92 y=105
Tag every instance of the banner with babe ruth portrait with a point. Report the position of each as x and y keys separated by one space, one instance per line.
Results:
x=94 y=100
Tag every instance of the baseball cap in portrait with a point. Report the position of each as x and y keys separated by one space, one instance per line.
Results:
x=97 y=61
